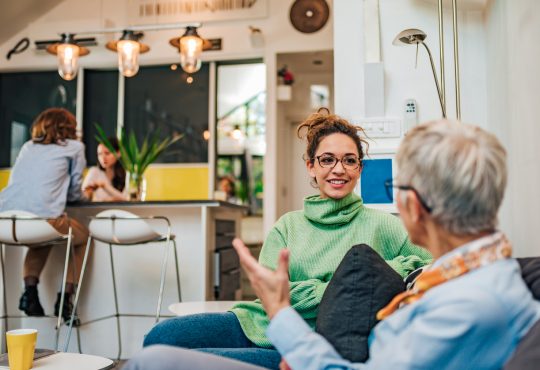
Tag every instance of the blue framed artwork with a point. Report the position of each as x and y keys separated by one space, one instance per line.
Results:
x=377 y=169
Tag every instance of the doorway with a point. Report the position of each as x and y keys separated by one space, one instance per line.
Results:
x=313 y=87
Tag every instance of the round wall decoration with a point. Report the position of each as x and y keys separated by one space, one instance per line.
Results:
x=309 y=16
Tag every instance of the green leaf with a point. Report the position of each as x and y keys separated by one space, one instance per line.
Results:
x=133 y=158
x=101 y=137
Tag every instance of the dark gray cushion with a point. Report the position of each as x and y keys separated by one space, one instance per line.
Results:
x=362 y=284
x=527 y=355
x=530 y=271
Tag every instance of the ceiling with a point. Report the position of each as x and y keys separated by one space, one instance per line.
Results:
x=17 y=14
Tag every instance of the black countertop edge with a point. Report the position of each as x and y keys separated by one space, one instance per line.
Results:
x=202 y=202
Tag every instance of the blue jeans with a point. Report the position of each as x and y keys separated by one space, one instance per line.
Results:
x=216 y=333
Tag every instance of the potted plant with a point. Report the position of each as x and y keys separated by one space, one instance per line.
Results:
x=135 y=159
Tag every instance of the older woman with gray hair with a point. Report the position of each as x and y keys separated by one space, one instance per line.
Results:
x=468 y=310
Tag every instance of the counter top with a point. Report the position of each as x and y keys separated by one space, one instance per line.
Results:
x=153 y=203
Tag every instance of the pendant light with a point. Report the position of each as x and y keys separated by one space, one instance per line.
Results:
x=68 y=53
x=128 y=48
x=190 y=45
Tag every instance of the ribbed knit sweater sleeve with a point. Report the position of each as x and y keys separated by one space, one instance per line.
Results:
x=410 y=258
x=394 y=245
x=305 y=295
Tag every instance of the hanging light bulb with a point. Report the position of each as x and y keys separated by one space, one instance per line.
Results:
x=128 y=49
x=191 y=46
x=237 y=134
x=68 y=53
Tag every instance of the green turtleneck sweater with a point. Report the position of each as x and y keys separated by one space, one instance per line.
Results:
x=318 y=238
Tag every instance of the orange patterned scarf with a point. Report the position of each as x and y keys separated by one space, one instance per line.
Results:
x=485 y=251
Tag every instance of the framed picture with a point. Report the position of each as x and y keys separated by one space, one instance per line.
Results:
x=379 y=166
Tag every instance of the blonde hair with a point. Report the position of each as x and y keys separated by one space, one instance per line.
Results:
x=460 y=172
x=54 y=126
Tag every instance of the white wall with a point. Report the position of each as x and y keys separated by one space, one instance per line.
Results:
x=513 y=112
x=402 y=80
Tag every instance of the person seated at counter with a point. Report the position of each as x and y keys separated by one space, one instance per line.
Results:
x=106 y=181
x=47 y=173
x=469 y=309
x=318 y=237
x=226 y=185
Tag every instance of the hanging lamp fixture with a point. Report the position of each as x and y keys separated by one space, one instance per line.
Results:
x=128 y=48
x=190 y=45
x=68 y=53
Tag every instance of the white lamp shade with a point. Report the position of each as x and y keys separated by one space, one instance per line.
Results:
x=68 y=61
x=128 y=57
x=190 y=53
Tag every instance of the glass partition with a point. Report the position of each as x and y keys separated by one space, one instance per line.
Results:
x=241 y=128
x=23 y=96
x=171 y=102
x=100 y=107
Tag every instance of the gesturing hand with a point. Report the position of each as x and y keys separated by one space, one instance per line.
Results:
x=272 y=287
x=283 y=365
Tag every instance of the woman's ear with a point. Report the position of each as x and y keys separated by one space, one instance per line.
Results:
x=414 y=206
x=310 y=165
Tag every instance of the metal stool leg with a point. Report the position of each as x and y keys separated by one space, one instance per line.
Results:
x=116 y=304
x=63 y=290
x=162 y=281
x=177 y=270
x=79 y=285
x=74 y=312
x=78 y=339
x=5 y=316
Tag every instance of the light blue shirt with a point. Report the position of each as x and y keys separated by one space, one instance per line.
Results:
x=472 y=322
x=44 y=177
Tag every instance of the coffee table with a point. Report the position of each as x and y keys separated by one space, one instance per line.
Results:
x=70 y=361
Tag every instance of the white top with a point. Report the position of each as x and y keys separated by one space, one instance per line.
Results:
x=44 y=177
x=105 y=193
x=70 y=361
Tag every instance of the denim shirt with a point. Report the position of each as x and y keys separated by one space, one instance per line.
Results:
x=44 y=177
x=471 y=322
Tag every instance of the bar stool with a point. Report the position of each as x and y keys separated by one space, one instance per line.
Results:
x=122 y=228
x=24 y=229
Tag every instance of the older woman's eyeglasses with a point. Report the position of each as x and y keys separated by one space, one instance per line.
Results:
x=390 y=185
x=350 y=162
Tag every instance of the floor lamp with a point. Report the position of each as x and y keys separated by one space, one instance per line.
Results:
x=416 y=36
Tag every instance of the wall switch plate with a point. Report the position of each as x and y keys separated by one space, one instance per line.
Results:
x=380 y=127
x=410 y=115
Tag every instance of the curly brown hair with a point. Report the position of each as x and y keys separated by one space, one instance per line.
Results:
x=54 y=126
x=321 y=124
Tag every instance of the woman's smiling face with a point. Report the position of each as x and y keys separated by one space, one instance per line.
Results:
x=339 y=181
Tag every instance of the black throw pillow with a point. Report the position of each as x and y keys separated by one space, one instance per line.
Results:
x=530 y=271
x=362 y=284
x=526 y=356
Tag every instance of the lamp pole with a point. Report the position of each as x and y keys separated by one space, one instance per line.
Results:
x=456 y=60
x=439 y=92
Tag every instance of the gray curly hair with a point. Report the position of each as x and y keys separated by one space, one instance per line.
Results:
x=460 y=172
